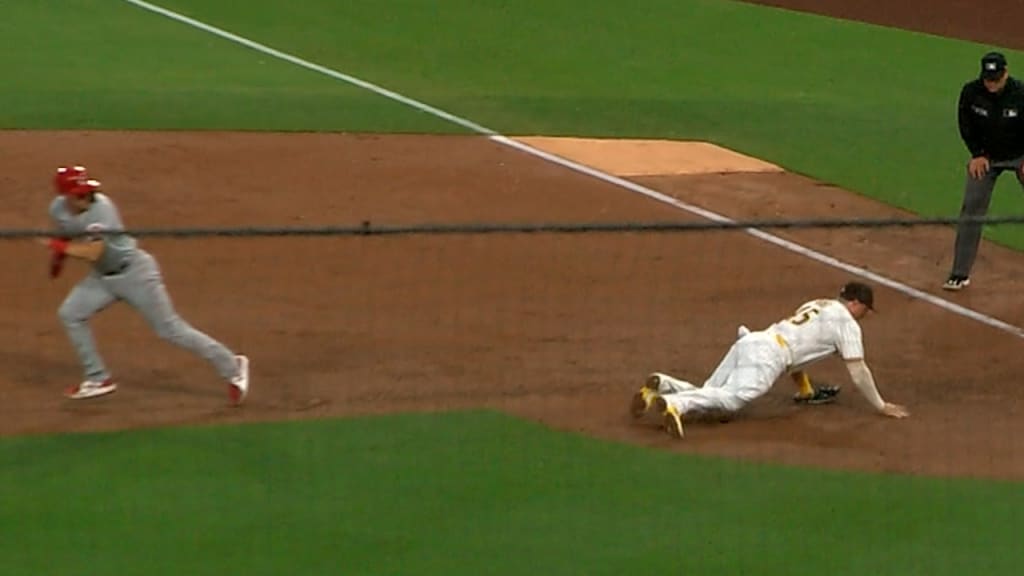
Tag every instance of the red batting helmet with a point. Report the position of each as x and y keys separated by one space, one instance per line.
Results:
x=68 y=177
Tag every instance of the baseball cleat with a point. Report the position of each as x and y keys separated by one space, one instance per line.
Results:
x=955 y=283
x=673 y=420
x=821 y=395
x=643 y=399
x=238 y=389
x=91 y=389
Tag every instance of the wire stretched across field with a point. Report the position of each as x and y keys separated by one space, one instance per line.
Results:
x=366 y=228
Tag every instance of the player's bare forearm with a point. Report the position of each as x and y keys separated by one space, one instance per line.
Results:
x=862 y=377
x=89 y=250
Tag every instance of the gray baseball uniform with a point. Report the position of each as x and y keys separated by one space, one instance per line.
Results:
x=124 y=272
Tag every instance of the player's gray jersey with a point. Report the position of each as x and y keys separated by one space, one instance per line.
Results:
x=102 y=215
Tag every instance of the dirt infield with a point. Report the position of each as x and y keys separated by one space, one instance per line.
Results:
x=560 y=329
x=555 y=328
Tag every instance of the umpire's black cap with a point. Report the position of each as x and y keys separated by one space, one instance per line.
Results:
x=993 y=65
x=860 y=292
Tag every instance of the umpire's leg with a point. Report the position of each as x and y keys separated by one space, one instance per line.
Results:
x=977 y=195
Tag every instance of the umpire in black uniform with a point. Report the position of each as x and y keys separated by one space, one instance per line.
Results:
x=991 y=117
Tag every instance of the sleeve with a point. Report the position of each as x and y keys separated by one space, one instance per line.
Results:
x=865 y=382
x=968 y=124
x=106 y=218
x=849 y=340
x=59 y=215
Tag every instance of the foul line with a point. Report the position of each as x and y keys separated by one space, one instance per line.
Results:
x=628 y=185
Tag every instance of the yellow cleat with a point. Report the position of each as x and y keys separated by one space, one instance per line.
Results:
x=642 y=401
x=673 y=420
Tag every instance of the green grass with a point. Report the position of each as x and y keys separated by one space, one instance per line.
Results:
x=868 y=108
x=116 y=66
x=469 y=493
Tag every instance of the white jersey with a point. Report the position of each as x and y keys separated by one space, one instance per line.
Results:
x=818 y=329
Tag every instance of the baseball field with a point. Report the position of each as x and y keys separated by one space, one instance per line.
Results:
x=457 y=403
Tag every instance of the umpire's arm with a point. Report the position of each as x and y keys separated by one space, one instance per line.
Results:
x=968 y=122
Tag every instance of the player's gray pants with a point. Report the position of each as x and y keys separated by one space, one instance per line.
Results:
x=977 y=196
x=141 y=285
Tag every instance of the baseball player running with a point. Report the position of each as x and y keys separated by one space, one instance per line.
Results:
x=818 y=328
x=121 y=271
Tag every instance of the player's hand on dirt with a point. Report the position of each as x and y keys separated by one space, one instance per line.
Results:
x=978 y=167
x=894 y=410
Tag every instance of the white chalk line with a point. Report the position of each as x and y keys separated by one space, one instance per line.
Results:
x=603 y=176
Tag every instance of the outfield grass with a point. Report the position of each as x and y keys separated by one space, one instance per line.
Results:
x=480 y=493
x=469 y=493
x=115 y=66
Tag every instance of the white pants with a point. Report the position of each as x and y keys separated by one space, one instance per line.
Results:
x=748 y=370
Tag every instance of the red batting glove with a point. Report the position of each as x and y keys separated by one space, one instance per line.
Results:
x=58 y=253
x=59 y=245
x=56 y=264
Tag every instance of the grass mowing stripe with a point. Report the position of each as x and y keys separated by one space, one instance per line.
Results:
x=151 y=73
x=391 y=95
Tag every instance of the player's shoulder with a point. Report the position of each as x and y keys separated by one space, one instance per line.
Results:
x=103 y=204
x=819 y=303
x=58 y=203
x=1015 y=86
x=835 y=308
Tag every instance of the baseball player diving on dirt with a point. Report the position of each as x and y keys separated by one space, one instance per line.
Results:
x=818 y=329
x=120 y=271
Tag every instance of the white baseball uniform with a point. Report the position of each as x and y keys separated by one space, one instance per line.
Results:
x=819 y=328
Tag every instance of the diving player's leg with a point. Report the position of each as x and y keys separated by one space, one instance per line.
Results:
x=727 y=365
x=86 y=299
x=664 y=384
x=657 y=383
x=746 y=373
x=803 y=384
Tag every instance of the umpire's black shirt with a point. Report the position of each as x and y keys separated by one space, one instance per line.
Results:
x=992 y=125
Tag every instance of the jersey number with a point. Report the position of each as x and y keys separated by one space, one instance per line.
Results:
x=804 y=316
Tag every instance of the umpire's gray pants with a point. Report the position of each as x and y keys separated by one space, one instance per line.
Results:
x=977 y=196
